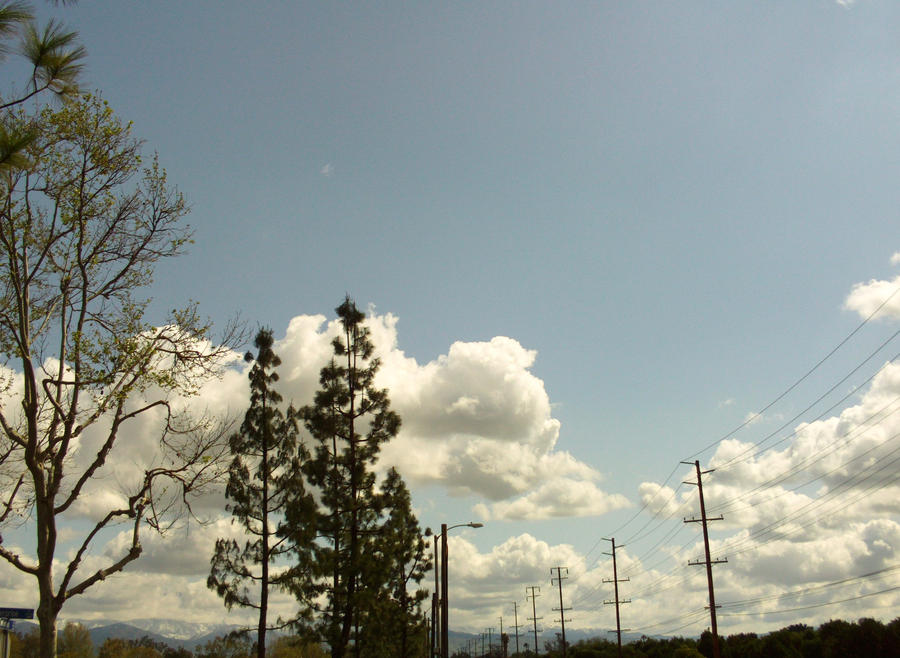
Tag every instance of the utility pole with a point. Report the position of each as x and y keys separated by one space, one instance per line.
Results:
x=562 y=611
x=615 y=581
x=516 y=616
x=445 y=624
x=534 y=618
x=490 y=630
x=435 y=603
x=708 y=562
x=501 y=637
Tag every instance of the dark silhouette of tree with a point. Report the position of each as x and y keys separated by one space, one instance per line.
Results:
x=391 y=600
x=295 y=647
x=226 y=646
x=268 y=499
x=833 y=639
x=348 y=422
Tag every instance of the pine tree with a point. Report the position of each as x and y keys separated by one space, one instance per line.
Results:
x=269 y=499
x=395 y=623
x=349 y=421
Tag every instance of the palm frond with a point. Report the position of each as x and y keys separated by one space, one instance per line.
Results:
x=13 y=145
x=56 y=56
x=12 y=16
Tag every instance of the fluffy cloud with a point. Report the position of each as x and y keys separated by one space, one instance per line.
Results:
x=475 y=420
x=560 y=497
x=803 y=519
x=865 y=298
x=484 y=585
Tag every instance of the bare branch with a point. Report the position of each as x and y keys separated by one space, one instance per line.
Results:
x=8 y=505
x=134 y=552
x=16 y=561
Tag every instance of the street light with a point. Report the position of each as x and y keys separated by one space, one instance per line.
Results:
x=445 y=649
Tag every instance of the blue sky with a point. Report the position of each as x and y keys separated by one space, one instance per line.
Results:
x=668 y=203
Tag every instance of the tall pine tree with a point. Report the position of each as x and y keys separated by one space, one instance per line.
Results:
x=268 y=498
x=349 y=421
x=394 y=621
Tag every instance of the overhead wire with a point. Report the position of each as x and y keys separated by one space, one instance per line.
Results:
x=811 y=607
x=750 y=420
x=842 y=441
x=743 y=456
x=877 y=574
x=755 y=451
x=803 y=378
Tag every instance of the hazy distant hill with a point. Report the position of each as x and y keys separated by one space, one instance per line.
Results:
x=190 y=635
x=173 y=632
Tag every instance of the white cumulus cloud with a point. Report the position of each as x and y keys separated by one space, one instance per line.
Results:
x=866 y=298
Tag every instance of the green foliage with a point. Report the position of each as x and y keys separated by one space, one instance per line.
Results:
x=26 y=645
x=83 y=223
x=268 y=500
x=75 y=642
x=395 y=622
x=294 y=647
x=227 y=646
x=115 y=647
x=56 y=60
x=364 y=560
x=834 y=639
x=144 y=647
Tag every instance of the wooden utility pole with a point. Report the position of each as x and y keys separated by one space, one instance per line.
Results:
x=562 y=610
x=615 y=581
x=534 y=616
x=708 y=561
x=516 y=617
x=435 y=604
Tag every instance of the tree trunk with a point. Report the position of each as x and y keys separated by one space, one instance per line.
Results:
x=46 y=548
x=47 y=619
x=47 y=611
x=264 y=584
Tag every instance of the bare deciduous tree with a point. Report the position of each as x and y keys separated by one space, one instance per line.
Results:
x=82 y=226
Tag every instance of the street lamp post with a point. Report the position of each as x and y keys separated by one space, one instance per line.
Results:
x=445 y=646
x=435 y=604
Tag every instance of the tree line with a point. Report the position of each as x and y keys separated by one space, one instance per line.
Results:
x=866 y=638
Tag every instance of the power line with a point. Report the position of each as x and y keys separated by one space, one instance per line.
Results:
x=801 y=380
x=880 y=573
x=810 y=607
x=740 y=458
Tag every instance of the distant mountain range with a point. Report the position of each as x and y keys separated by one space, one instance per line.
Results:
x=189 y=635
x=172 y=632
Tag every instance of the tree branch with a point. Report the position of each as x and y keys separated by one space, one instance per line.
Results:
x=16 y=561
